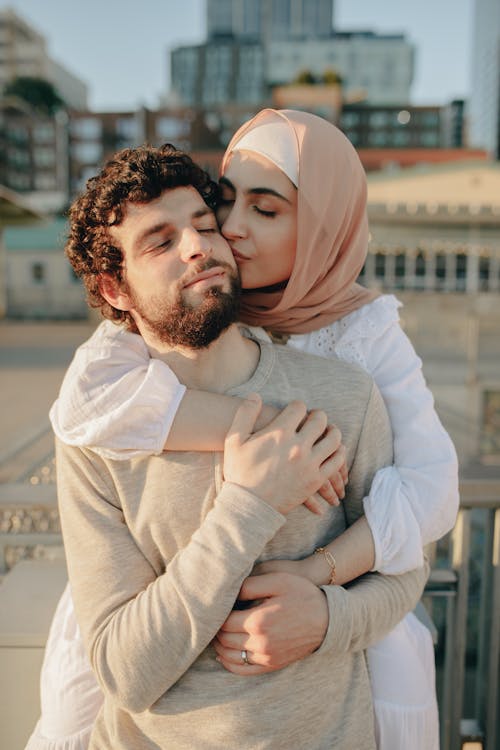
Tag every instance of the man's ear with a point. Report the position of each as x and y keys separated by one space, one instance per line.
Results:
x=113 y=293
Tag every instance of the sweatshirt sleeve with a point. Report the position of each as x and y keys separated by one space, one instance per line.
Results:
x=415 y=501
x=115 y=398
x=371 y=606
x=143 y=628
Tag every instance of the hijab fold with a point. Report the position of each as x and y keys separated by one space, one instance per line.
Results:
x=332 y=225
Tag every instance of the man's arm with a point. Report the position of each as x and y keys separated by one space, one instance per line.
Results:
x=144 y=627
x=295 y=618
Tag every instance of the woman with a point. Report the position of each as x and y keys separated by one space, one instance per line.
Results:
x=294 y=213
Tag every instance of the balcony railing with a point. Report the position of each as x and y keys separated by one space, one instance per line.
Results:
x=462 y=597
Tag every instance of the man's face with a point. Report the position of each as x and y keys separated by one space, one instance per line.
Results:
x=180 y=279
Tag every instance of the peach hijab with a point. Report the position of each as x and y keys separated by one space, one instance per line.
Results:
x=332 y=225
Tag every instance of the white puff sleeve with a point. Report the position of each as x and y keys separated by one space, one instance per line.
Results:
x=115 y=398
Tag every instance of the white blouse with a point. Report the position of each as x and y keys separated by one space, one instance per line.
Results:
x=120 y=402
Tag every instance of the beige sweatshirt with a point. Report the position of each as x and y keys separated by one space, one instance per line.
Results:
x=157 y=549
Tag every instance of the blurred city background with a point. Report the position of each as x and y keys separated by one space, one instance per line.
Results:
x=416 y=89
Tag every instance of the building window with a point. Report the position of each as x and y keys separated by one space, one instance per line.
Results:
x=172 y=128
x=379 y=266
x=128 y=129
x=44 y=156
x=429 y=119
x=429 y=139
x=18 y=134
x=43 y=133
x=45 y=182
x=87 y=153
x=441 y=266
x=379 y=119
x=350 y=119
x=38 y=273
x=19 y=181
x=400 y=266
x=401 y=138
x=17 y=157
x=86 y=127
x=377 y=138
x=420 y=265
x=461 y=272
x=484 y=273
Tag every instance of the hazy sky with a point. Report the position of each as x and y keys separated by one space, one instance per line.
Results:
x=120 y=47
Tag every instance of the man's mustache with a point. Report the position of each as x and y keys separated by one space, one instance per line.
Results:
x=206 y=266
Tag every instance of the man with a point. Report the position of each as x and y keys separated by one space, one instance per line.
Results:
x=159 y=547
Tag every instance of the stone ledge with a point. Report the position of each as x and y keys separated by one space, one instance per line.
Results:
x=28 y=597
x=20 y=494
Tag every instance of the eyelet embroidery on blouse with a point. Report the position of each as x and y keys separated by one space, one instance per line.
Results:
x=345 y=338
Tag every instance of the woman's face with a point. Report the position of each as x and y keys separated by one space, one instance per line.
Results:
x=258 y=217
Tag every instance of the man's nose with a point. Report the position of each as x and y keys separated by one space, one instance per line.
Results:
x=194 y=245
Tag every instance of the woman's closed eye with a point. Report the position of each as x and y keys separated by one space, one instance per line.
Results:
x=263 y=212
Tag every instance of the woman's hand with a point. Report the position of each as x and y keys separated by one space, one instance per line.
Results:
x=333 y=490
x=285 y=462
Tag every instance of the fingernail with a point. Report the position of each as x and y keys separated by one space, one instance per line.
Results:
x=253 y=397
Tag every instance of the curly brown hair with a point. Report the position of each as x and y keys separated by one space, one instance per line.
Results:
x=137 y=175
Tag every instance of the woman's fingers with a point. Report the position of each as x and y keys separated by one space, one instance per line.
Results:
x=329 y=493
x=314 y=505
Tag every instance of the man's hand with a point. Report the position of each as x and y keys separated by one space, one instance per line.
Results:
x=287 y=461
x=289 y=622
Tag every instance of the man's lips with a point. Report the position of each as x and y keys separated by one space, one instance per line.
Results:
x=205 y=275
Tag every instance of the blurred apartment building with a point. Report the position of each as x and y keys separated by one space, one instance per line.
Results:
x=369 y=125
x=23 y=52
x=33 y=147
x=253 y=46
x=34 y=155
x=435 y=228
x=484 y=102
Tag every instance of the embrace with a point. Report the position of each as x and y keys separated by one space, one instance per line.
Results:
x=243 y=520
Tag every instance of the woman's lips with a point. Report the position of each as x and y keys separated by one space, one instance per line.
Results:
x=239 y=257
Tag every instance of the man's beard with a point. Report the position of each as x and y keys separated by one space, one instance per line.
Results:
x=179 y=324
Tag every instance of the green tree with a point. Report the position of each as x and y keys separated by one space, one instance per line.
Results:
x=305 y=77
x=331 y=77
x=37 y=92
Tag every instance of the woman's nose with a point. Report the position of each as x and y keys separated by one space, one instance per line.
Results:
x=232 y=222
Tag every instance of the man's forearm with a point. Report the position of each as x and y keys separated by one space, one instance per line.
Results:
x=144 y=628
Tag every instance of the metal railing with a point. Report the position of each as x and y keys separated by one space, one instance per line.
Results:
x=465 y=586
